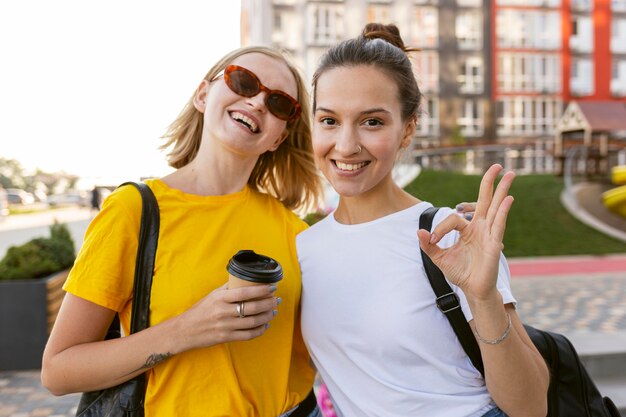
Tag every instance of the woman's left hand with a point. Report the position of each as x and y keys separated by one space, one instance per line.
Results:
x=472 y=262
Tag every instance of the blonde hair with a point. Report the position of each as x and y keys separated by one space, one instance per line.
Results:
x=288 y=173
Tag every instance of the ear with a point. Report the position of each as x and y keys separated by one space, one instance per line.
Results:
x=409 y=131
x=199 y=99
x=280 y=140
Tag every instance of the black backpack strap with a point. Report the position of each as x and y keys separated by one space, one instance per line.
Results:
x=146 y=254
x=448 y=301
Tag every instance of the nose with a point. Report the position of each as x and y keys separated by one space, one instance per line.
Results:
x=257 y=102
x=347 y=142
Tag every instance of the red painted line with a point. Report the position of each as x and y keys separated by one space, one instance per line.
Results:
x=564 y=266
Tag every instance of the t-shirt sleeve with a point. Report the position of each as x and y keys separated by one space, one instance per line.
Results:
x=103 y=272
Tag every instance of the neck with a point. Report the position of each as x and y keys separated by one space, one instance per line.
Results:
x=213 y=172
x=386 y=198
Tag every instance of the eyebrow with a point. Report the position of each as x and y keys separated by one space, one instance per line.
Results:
x=364 y=112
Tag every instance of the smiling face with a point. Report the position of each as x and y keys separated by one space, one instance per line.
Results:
x=244 y=125
x=358 y=129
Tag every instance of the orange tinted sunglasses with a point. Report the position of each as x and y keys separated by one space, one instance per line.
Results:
x=246 y=84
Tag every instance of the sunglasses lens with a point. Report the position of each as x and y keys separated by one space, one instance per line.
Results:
x=281 y=106
x=243 y=83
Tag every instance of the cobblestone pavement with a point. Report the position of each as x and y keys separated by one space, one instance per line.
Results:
x=562 y=303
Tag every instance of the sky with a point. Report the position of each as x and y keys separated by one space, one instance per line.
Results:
x=89 y=87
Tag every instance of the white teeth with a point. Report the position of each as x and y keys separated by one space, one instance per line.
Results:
x=238 y=116
x=349 y=167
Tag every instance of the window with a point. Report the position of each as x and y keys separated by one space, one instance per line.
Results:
x=618 y=5
x=426 y=68
x=326 y=25
x=618 y=77
x=469 y=29
x=285 y=22
x=527 y=116
x=582 y=34
x=618 y=35
x=470 y=77
x=581 y=5
x=469 y=3
x=380 y=13
x=428 y=124
x=472 y=118
x=581 y=81
x=425 y=27
x=527 y=72
x=526 y=29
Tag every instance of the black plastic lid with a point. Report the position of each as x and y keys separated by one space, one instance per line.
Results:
x=250 y=266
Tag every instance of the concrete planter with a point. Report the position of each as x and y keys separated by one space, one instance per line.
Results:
x=28 y=309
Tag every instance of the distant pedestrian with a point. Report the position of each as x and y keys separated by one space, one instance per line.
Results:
x=95 y=199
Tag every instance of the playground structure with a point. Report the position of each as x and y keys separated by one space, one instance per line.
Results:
x=615 y=198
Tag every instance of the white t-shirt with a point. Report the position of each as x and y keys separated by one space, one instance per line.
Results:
x=371 y=325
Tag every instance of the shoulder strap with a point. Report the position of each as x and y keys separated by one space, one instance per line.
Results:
x=448 y=301
x=146 y=253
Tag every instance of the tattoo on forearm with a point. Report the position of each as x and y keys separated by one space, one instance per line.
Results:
x=154 y=359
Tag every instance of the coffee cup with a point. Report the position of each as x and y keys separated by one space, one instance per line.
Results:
x=249 y=268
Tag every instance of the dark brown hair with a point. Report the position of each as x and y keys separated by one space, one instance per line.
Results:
x=380 y=46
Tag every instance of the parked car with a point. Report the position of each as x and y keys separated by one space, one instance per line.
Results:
x=77 y=198
x=18 y=196
x=4 y=203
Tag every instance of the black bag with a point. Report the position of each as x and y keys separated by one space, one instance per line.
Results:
x=127 y=398
x=572 y=392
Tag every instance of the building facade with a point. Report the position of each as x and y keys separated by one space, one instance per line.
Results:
x=491 y=71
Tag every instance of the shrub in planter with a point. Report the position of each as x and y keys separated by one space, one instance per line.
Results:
x=31 y=277
x=39 y=257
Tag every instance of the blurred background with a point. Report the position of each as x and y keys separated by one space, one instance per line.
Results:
x=87 y=90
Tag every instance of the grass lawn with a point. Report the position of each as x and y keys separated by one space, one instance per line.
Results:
x=538 y=224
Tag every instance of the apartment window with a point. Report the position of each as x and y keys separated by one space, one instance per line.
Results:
x=527 y=116
x=531 y=73
x=379 y=13
x=618 y=77
x=469 y=3
x=470 y=77
x=618 y=35
x=526 y=29
x=425 y=27
x=326 y=23
x=285 y=23
x=582 y=34
x=618 y=5
x=472 y=118
x=469 y=29
x=428 y=124
x=535 y=3
x=426 y=68
x=581 y=5
x=581 y=81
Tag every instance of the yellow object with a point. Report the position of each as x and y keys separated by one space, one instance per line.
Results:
x=615 y=200
x=618 y=175
x=265 y=376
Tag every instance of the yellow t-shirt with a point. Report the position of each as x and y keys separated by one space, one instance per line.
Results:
x=265 y=376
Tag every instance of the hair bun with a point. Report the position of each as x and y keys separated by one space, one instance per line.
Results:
x=389 y=33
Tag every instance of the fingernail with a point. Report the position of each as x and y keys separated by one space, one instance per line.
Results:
x=267 y=325
x=278 y=301
x=469 y=216
x=275 y=312
x=459 y=207
x=273 y=287
x=433 y=238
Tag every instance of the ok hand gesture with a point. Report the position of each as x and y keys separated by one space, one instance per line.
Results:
x=472 y=262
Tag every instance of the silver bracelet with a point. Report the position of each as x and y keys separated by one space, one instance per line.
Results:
x=499 y=339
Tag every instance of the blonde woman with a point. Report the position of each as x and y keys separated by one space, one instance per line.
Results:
x=242 y=152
